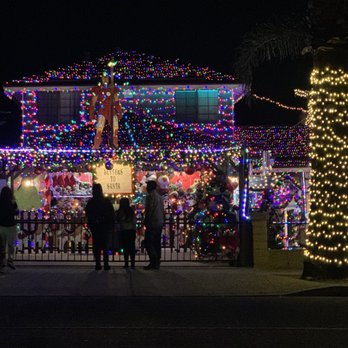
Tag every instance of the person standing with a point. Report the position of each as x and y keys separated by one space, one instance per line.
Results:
x=8 y=211
x=125 y=216
x=106 y=103
x=154 y=219
x=100 y=218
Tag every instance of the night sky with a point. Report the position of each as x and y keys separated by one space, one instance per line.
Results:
x=39 y=35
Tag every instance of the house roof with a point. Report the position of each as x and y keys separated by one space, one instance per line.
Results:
x=132 y=67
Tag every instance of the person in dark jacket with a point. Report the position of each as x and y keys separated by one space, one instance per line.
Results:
x=154 y=219
x=126 y=218
x=8 y=211
x=100 y=218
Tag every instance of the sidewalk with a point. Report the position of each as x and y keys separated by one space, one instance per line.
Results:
x=37 y=279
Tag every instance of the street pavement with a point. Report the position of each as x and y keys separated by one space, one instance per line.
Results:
x=181 y=305
x=173 y=279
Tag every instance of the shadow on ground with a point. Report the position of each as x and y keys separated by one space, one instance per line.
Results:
x=334 y=291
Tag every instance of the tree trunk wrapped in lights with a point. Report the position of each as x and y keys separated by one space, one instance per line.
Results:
x=323 y=32
x=327 y=237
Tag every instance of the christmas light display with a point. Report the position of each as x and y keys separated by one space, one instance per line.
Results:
x=214 y=230
x=130 y=66
x=155 y=159
x=289 y=146
x=150 y=109
x=150 y=113
x=152 y=139
x=327 y=242
x=287 y=201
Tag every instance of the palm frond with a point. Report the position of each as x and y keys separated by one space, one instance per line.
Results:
x=280 y=39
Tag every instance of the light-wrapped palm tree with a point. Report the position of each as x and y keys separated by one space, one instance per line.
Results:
x=322 y=31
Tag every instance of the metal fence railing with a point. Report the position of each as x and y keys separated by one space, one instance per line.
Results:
x=66 y=237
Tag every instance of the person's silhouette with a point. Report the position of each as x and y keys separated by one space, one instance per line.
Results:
x=10 y=121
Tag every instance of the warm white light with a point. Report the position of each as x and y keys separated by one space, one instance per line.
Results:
x=328 y=228
x=28 y=183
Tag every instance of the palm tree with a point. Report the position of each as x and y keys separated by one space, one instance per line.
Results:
x=323 y=32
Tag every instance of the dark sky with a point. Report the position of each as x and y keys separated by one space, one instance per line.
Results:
x=39 y=35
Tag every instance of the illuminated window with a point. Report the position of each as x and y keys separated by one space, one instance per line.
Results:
x=208 y=105
x=197 y=105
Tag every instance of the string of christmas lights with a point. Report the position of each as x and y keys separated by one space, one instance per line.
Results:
x=326 y=242
x=130 y=66
x=289 y=145
x=301 y=93
x=150 y=136
x=149 y=124
x=281 y=105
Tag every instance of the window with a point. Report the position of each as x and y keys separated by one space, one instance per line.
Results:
x=186 y=105
x=197 y=105
x=208 y=109
x=58 y=107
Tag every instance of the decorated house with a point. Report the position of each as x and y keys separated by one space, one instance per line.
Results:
x=177 y=127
